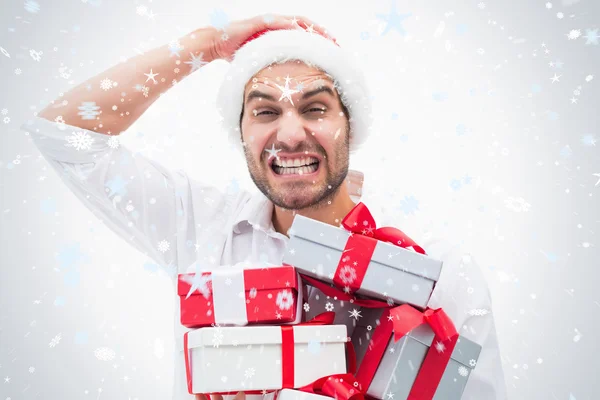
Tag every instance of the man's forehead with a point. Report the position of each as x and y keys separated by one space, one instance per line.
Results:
x=293 y=74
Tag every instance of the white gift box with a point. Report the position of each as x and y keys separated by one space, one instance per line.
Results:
x=232 y=359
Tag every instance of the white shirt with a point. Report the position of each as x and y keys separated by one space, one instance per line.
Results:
x=191 y=222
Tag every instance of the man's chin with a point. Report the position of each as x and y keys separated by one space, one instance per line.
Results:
x=294 y=202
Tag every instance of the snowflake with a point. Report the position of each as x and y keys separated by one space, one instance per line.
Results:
x=355 y=314
x=31 y=370
x=249 y=373
x=141 y=10
x=329 y=306
x=4 y=111
x=32 y=6
x=588 y=140
x=129 y=207
x=481 y=5
x=55 y=340
x=517 y=204
x=285 y=300
x=104 y=354
x=472 y=363
x=6 y=120
x=347 y=274
x=17 y=71
x=163 y=246
x=463 y=371
x=198 y=281
x=106 y=84
x=574 y=34
x=196 y=62
x=36 y=55
x=440 y=347
x=455 y=184
x=175 y=47
x=252 y=293
x=88 y=110
x=80 y=140
x=591 y=36
x=217 y=339
x=409 y=205
x=479 y=312
x=219 y=19
x=306 y=307
x=113 y=142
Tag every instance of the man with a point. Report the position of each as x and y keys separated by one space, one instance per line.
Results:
x=295 y=105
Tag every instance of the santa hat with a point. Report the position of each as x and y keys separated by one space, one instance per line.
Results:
x=278 y=46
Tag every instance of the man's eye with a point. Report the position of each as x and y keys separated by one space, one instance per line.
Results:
x=265 y=113
x=316 y=109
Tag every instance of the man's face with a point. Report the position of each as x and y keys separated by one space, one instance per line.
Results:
x=305 y=130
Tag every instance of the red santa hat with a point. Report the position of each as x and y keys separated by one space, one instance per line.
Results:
x=278 y=46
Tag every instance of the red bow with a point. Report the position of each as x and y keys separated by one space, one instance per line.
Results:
x=359 y=220
x=399 y=321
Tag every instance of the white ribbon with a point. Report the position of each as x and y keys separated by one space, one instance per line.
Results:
x=229 y=296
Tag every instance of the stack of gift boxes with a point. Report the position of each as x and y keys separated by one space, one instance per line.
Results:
x=251 y=332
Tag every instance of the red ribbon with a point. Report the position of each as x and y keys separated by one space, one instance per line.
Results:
x=399 y=321
x=287 y=348
x=339 y=386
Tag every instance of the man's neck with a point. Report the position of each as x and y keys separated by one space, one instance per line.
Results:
x=331 y=214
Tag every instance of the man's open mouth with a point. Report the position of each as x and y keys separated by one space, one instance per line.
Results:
x=297 y=166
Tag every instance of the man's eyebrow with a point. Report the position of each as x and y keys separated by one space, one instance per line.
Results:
x=315 y=92
x=256 y=94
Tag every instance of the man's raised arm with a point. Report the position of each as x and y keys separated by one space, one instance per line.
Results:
x=149 y=75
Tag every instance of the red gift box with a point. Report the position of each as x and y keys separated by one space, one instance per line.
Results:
x=235 y=296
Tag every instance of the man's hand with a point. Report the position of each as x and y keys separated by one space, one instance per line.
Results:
x=227 y=42
x=239 y=396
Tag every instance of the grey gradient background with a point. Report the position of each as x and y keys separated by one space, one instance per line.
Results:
x=474 y=142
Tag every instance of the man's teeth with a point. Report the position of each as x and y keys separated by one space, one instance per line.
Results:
x=296 y=170
x=296 y=162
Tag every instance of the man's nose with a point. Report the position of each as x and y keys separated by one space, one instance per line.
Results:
x=291 y=130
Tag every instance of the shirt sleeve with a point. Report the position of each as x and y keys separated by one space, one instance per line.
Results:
x=464 y=295
x=143 y=202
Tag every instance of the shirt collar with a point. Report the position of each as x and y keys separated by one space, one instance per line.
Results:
x=258 y=211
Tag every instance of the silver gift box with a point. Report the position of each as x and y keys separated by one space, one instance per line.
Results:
x=400 y=364
x=394 y=273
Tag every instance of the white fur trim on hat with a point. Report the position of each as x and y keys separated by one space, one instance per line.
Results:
x=284 y=45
